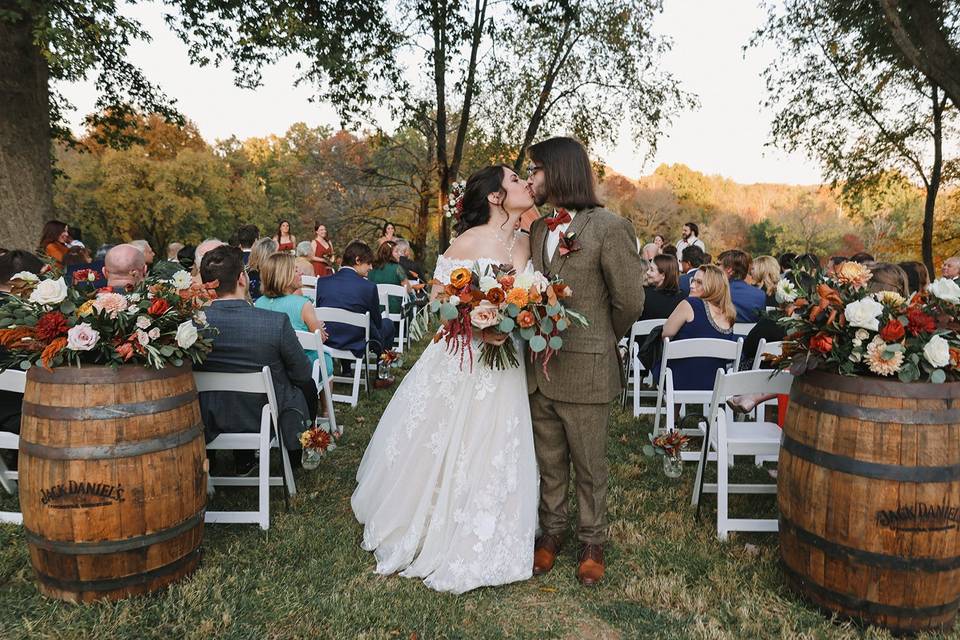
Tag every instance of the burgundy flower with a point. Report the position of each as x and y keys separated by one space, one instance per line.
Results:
x=51 y=325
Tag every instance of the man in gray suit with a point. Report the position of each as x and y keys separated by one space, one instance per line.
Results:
x=248 y=339
x=595 y=252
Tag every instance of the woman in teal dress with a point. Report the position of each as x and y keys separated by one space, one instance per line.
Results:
x=387 y=270
x=279 y=280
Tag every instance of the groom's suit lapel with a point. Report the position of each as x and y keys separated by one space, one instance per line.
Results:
x=579 y=223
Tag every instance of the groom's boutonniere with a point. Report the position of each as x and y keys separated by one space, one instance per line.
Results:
x=569 y=243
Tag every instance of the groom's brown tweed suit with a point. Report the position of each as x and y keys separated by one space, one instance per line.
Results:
x=570 y=410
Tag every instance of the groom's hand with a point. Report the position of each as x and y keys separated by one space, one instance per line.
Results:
x=494 y=337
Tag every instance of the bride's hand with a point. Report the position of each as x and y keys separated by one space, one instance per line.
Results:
x=494 y=337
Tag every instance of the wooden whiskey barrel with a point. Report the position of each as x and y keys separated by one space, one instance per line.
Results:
x=112 y=480
x=869 y=494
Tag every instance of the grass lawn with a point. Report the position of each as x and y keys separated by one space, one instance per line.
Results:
x=667 y=577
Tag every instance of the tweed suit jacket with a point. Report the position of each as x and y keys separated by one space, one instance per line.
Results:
x=606 y=277
x=250 y=338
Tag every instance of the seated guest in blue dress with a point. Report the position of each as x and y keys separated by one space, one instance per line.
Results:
x=707 y=313
x=349 y=289
x=690 y=260
x=748 y=300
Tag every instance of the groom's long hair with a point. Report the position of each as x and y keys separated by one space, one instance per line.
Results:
x=568 y=173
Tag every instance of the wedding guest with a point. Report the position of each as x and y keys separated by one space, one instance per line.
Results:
x=387 y=235
x=786 y=261
x=246 y=237
x=246 y=340
x=749 y=301
x=387 y=270
x=185 y=257
x=303 y=252
x=690 y=261
x=765 y=274
x=809 y=262
x=707 y=313
x=124 y=268
x=201 y=250
x=690 y=237
x=286 y=241
x=261 y=250
x=863 y=257
x=102 y=251
x=833 y=263
x=888 y=277
x=55 y=241
x=76 y=256
x=173 y=251
x=950 y=268
x=322 y=257
x=917 y=275
x=413 y=268
x=649 y=251
x=669 y=250
x=146 y=249
x=349 y=289
x=660 y=241
x=662 y=290
x=279 y=282
x=76 y=236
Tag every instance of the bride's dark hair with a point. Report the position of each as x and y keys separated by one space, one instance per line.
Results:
x=476 y=207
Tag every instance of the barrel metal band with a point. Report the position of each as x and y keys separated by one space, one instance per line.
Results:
x=109 y=412
x=869 y=558
x=875 y=414
x=119 y=583
x=864 y=469
x=114 y=546
x=848 y=601
x=112 y=451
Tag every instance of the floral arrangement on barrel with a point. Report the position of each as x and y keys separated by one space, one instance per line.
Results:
x=498 y=301
x=835 y=324
x=158 y=323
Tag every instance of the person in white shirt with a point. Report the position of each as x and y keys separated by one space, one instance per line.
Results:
x=690 y=233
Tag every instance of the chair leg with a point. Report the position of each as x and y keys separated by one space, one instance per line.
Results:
x=701 y=469
x=8 y=483
x=264 y=481
x=723 y=490
x=656 y=418
x=288 y=471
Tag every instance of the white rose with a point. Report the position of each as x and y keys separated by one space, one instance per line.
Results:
x=154 y=333
x=186 y=334
x=945 y=289
x=523 y=281
x=181 y=280
x=487 y=283
x=26 y=276
x=454 y=300
x=861 y=334
x=143 y=337
x=82 y=337
x=864 y=313
x=201 y=318
x=786 y=291
x=937 y=352
x=49 y=292
x=143 y=322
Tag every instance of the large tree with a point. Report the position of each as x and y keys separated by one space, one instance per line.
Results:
x=45 y=41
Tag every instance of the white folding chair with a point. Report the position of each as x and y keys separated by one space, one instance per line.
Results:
x=743 y=328
x=14 y=382
x=766 y=348
x=385 y=292
x=360 y=371
x=322 y=377
x=308 y=286
x=669 y=398
x=634 y=369
x=268 y=437
x=729 y=438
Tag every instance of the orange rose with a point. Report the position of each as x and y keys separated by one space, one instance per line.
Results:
x=460 y=277
x=506 y=282
x=496 y=295
x=125 y=350
x=535 y=296
x=561 y=290
x=955 y=357
x=518 y=297
x=526 y=319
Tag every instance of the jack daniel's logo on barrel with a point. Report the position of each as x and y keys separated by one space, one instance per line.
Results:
x=920 y=517
x=81 y=495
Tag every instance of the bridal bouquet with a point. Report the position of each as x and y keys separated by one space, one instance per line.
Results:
x=835 y=324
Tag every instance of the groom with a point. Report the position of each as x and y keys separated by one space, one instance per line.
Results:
x=594 y=251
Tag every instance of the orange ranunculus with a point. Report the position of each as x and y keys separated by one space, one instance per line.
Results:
x=519 y=297
x=125 y=350
x=506 y=282
x=955 y=357
x=460 y=277
x=496 y=295
x=159 y=307
x=535 y=296
x=526 y=319
x=821 y=342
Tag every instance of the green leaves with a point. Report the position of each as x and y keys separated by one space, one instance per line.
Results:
x=507 y=325
x=448 y=311
x=538 y=344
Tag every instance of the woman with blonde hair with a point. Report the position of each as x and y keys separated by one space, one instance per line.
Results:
x=279 y=282
x=707 y=313
x=765 y=274
x=261 y=250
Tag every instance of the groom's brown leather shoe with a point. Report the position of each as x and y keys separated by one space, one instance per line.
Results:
x=591 y=567
x=545 y=551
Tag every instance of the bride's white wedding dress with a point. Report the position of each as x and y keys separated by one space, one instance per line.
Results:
x=448 y=487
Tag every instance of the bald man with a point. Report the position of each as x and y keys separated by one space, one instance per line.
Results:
x=124 y=267
x=951 y=268
x=202 y=248
x=144 y=246
x=649 y=252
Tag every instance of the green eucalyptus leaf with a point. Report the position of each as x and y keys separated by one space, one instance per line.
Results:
x=527 y=333
x=938 y=376
x=562 y=324
x=507 y=325
x=448 y=311
x=556 y=343
x=512 y=310
x=546 y=325
x=538 y=344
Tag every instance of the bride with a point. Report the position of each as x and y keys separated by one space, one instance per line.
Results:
x=447 y=490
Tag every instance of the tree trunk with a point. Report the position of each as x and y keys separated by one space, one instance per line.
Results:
x=26 y=190
x=929 y=206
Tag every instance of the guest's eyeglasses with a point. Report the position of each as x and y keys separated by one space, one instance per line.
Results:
x=532 y=169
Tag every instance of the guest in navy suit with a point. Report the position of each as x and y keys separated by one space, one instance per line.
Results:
x=690 y=261
x=748 y=300
x=349 y=289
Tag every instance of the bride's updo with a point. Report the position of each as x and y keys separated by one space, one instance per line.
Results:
x=476 y=207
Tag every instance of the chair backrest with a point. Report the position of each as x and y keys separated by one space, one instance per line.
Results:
x=743 y=328
x=314 y=342
x=745 y=383
x=387 y=291
x=763 y=348
x=257 y=382
x=13 y=381
x=353 y=318
x=702 y=348
x=308 y=285
x=644 y=327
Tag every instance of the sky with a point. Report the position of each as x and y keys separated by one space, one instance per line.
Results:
x=726 y=135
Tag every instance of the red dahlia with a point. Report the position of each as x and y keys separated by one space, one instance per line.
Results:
x=51 y=325
x=919 y=322
x=159 y=307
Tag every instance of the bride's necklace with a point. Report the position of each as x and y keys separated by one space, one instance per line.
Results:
x=505 y=244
